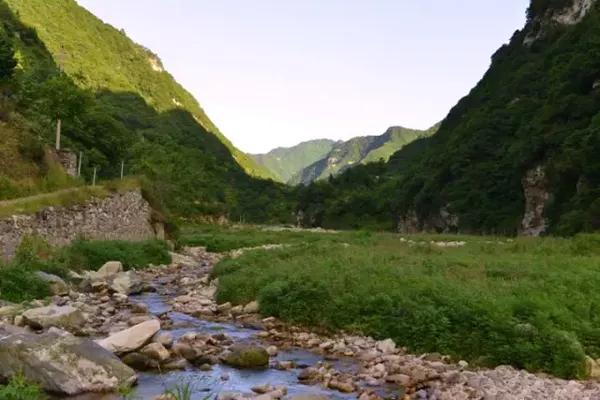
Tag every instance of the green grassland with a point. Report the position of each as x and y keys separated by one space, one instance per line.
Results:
x=531 y=303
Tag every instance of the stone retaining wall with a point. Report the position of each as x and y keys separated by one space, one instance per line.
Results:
x=121 y=216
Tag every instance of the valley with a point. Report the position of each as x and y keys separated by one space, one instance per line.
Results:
x=144 y=256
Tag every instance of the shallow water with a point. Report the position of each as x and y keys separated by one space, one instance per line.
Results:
x=210 y=383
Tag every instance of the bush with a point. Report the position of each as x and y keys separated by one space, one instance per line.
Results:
x=19 y=389
x=82 y=254
x=530 y=303
x=18 y=284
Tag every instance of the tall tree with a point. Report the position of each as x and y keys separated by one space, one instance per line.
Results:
x=8 y=62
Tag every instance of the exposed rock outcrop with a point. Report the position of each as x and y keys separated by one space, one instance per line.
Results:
x=535 y=189
x=569 y=15
x=443 y=221
x=60 y=362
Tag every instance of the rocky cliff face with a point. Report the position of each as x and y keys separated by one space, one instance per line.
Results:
x=537 y=194
x=569 y=15
x=442 y=222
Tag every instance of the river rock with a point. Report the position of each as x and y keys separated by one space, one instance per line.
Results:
x=131 y=339
x=66 y=317
x=156 y=351
x=61 y=363
x=164 y=338
x=109 y=269
x=57 y=284
x=251 y=308
x=272 y=350
x=386 y=346
x=246 y=356
x=308 y=397
x=126 y=283
x=141 y=362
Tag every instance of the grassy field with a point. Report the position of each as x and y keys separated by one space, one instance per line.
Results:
x=531 y=303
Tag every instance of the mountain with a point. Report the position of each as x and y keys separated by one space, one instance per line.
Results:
x=99 y=57
x=359 y=150
x=285 y=162
x=116 y=103
x=519 y=153
x=318 y=159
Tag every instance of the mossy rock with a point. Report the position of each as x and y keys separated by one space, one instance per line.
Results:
x=247 y=356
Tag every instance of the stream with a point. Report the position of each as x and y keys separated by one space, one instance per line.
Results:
x=222 y=378
x=210 y=383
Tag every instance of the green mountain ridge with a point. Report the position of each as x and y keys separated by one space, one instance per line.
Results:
x=359 y=150
x=318 y=159
x=536 y=108
x=285 y=162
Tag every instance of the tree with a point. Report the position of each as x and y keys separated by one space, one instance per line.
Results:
x=8 y=62
x=62 y=99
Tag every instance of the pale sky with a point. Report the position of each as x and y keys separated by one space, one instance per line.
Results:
x=274 y=73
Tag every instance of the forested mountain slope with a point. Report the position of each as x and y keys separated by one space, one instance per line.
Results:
x=99 y=57
x=116 y=103
x=520 y=151
x=359 y=150
x=318 y=159
x=285 y=162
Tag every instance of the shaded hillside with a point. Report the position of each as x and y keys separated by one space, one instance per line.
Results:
x=533 y=119
x=285 y=162
x=99 y=57
x=359 y=150
x=116 y=105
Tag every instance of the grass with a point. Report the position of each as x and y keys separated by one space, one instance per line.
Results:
x=181 y=391
x=19 y=389
x=91 y=255
x=218 y=239
x=530 y=303
x=63 y=198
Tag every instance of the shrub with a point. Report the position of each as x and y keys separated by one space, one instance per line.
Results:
x=18 y=284
x=84 y=254
x=19 y=389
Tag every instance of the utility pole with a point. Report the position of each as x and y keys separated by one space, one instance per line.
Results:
x=79 y=164
x=61 y=67
x=122 y=168
x=58 y=129
x=94 y=179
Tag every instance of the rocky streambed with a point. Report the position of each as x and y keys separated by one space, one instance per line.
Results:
x=164 y=324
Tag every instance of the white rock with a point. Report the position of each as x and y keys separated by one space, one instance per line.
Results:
x=131 y=339
x=109 y=269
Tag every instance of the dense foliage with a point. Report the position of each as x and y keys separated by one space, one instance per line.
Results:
x=538 y=104
x=531 y=303
x=91 y=255
x=116 y=104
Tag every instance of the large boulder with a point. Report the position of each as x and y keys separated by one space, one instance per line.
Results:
x=60 y=362
x=125 y=283
x=131 y=339
x=246 y=356
x=109 y=269
x=57 y=284
x=65 y=317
